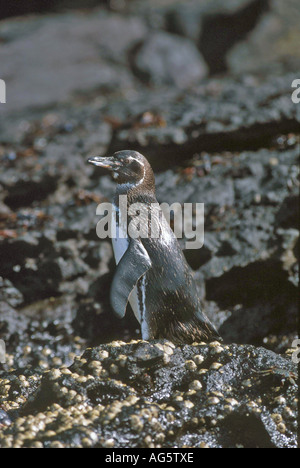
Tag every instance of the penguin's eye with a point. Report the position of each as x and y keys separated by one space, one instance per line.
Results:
x=135 y=166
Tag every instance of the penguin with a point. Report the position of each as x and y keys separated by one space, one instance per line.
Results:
x=152 y=273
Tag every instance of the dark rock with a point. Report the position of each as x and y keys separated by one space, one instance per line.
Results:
x=226 y=250
x=221 y=31
x=165 y=59
x=268 y=299
x=288 y=214
x=67 y=57
x=202 y=257
x=37 y=279
x=34 y=6
x=24 y=193
x=219 y=116
x=185 y=21
x=277 y=33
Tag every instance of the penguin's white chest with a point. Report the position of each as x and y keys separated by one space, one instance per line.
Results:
x=137 y=298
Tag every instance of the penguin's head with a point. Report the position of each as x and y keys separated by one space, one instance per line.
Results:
x=128 y=167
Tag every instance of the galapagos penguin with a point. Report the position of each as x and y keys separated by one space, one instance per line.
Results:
x=152 y=273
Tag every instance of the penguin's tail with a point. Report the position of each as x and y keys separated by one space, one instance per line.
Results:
x=193 y=329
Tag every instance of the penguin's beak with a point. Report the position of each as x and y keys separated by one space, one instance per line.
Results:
x=107 y=162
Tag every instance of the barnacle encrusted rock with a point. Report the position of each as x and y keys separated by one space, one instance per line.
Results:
x=126 y=395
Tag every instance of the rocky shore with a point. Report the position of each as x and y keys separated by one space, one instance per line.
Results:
x=219 y=127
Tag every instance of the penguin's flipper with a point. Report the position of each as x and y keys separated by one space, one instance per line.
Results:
x=132 y=266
